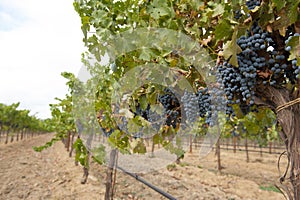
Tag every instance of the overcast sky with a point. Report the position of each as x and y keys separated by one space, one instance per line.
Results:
x=39 y=39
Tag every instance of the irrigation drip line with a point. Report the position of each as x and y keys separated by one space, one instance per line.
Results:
x=207 y=145
x=256 y=151
x=148 y=184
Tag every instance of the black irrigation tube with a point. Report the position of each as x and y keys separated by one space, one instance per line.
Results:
x=279 y=148
x=255 y=151
x=148 y=184
x=255 y=147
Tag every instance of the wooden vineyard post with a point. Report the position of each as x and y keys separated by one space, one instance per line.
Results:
x=72 y=142
x=86 y=168
x=234 y=144
x=246 y=148
x=22 y=134
x=109 y=175
x=191 y=143
x=68 y=141
x=18 y=135
x=227 y=143
x=7 y=134
x=218 y=152
x=12 y=138
x=196 y=143
x=152 y=149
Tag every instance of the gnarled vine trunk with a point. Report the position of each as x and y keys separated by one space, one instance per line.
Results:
x=289 y=119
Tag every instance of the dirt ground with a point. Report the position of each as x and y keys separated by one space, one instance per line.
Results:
x=26 y=174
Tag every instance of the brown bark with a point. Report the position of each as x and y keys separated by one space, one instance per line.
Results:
x=289 y=120
x=86 y=169
x=109 y=175
x=22 y=134
x=12 y=137
x=191 y=143
x=234 y=144
x=246 y=148
x=227 y=143
x=152 y=149
x=18 y=132
x=72 y=142
x=7 y=134
x=68 y=141
x=218 y=152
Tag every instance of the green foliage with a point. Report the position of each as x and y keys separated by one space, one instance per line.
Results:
x=212 y=24
x=171 y=167
x=13 y=119
x=260 y=126
x=270 y=188
x=231 y=49
x=82 y=155
x=57 y=137
x=98 y=154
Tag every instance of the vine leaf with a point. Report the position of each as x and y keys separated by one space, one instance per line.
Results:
x=294 y=42
x=218 y=10
x=223 y=30
x=279 y=4
x=231 y=49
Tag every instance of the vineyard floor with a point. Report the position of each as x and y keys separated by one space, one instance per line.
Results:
x=52 y=174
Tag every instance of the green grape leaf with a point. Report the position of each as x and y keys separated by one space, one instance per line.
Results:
x=139 y=147
x=218 y=10
x=279 y=4
x=145 y=54
x=223 y=30
x=231 y=49
x=292 y=11
x=143 y=102
x=294 y=43
x=99 y=154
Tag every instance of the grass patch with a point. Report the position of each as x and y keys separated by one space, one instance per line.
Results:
x=171 y=167
x=271 y=188
x=183 y=164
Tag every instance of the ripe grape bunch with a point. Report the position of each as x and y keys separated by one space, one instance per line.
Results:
x=251 y=4
x=153 y=117
x=206 y=103
x=261 y=62
x=171 y=108
x=190 y=105
x=295 y=68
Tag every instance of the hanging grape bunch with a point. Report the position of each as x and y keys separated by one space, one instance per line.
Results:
x=206 y=103
x=261 y=61
x=171 y=108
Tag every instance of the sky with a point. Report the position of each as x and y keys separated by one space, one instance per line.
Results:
x=39 y=39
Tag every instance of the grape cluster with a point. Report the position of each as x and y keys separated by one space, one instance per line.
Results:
x=258 y=55
x=296 y=68
x=190 y=105
x=294 y=74
x=206 y=103
x=155 y=119
x=171 y=107
x=242 y=80
x=251 y=4
x=203 y=101
x=217 y=104
x=140 y=112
